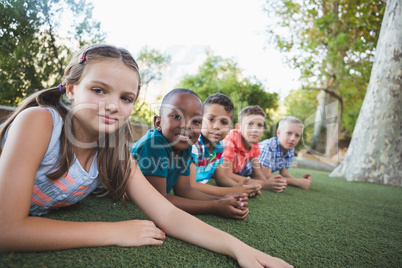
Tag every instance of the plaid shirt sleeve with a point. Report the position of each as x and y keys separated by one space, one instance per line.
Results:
x=267 y=157
x=289 y=160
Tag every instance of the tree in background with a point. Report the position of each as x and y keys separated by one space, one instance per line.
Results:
x=375 y=152
x=332 y=42
x=36 y=37
x=151 y=63
x=303 y=104
x=221 y=75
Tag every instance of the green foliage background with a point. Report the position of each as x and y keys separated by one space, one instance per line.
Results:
x=325 y=40
x=33 y=52
x=217 y=74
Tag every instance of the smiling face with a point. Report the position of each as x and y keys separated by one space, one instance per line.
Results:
x=216 y=123
x=251 y=128
x=103 y=99
x=289 y=136
x=180 y=120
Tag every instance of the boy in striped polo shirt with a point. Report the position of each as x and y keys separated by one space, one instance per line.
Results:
x=207 y=152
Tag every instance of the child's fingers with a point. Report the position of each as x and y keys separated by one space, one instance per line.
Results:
x=240 y=214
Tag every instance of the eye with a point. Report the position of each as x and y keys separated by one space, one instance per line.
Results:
x=260 y=125
x=212 y=119
x=196 y=122
x=176 y=116
x=98 y=90
x=250 y=124
x=224 y=122
x=127 y=99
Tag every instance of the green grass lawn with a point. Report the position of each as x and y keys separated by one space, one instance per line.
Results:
x=334 y=224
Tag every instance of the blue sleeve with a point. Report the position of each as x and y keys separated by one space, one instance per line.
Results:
x=290 y=160
x=194 y=154
x=187 y=159
x=267 y=156
x=152 y=160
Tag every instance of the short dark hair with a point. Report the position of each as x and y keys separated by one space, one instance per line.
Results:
x=221 y=99
x=251 y=110
x=173 y=92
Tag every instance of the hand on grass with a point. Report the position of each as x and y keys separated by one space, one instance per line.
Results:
x=137 y=233
x=256 y=258
x=248 y=187
x=305 y=182
x=232 y=206
x=275 y=183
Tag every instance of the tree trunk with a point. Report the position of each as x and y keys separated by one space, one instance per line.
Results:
x=375 y=152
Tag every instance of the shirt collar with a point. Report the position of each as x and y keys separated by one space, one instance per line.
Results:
x=238 y=138
x=279 y=149
x=218 y=146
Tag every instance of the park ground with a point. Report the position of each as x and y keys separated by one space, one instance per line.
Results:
x=333 y=224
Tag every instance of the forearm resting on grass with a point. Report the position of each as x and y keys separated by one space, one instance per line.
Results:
x=303 y=182
x=245 y=186
x=184 y=226
x=274 y=183
x=233 y=206
x=224 y=175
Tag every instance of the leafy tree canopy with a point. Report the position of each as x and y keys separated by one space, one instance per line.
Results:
x=217 y=74
x=36 y=37
x=327 y=40
x=152 y=63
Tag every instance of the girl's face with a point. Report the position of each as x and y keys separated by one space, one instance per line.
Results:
x=180 y=121
x=103 y=99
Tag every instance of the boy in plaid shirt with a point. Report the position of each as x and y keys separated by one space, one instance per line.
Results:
x=277 y=153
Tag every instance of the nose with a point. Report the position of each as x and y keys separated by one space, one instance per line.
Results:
x=111 y=107
x=216 y=125
x=112 y=104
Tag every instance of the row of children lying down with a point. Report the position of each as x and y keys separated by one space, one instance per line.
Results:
x=53 y=156
x=191 y=141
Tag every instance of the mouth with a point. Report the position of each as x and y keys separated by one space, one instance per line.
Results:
x=215 y=135
x=183 y=138
x=108 y=119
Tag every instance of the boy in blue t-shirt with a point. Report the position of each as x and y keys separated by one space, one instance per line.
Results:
x=207 y=152
x=163 y=156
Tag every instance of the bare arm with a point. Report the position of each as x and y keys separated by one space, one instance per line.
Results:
x=179 y=224
x=275 y=183
x=185 y=187
x=303 y=183
x=256 y=169
x=224 y=175
x=233 y=207
x=241 y=187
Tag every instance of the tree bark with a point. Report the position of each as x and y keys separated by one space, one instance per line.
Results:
x=375 y=152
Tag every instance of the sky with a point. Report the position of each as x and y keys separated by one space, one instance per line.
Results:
x=185 y=29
